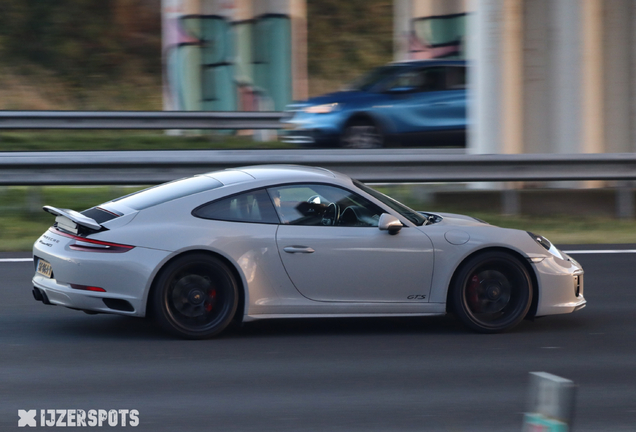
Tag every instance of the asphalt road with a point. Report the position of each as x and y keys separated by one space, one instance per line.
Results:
x=426 y=374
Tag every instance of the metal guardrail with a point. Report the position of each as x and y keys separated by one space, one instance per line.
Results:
x=387 y=165
x=394 y=165
x=139 y=120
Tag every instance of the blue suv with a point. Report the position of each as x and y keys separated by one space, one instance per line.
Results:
x=408 y=103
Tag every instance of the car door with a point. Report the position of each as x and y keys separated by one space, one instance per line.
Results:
x=332 y=249
x=434 y=99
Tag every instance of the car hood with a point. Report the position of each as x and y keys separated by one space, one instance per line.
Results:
x=336 y=97
x=461 y=220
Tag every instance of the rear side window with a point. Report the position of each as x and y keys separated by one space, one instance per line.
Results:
x=168 y=192
x=253 y=207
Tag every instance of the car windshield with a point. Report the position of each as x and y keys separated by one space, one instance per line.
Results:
x=410 y=214
x=367 y=81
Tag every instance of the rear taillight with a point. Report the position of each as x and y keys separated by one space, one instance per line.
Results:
x=89 y=245
x=87 y=288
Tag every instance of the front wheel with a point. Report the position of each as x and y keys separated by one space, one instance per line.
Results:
x=362 y=135
x=195 y=297
x=492 y=292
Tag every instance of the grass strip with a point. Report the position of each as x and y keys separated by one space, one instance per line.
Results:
x=68 y=140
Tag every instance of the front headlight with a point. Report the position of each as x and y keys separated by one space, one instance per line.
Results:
x=547 y=244
x=322 y=109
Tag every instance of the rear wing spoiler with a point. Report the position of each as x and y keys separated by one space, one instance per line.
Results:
x=70 y=219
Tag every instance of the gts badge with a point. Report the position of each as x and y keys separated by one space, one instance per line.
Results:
x=417 y=297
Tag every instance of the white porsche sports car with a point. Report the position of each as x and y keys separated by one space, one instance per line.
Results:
x=288 y=241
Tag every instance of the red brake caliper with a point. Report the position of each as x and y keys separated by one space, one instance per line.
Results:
x=473 y=297
x=210 y=301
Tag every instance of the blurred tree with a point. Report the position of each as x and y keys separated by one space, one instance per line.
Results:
x=82 y=40
x=86 y=43
x=347 y=38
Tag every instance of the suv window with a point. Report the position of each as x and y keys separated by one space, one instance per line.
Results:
x=318 y=204
x=253 y=207
x=420 y=80
x=455 y=77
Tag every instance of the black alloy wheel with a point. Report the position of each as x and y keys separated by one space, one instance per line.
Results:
x=195 y=296
x=363 y=134
x=492 y=292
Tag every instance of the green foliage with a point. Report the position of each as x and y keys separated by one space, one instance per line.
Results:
x=106 y=54
x=347 y=38
x=85 y=41
x=58 y=140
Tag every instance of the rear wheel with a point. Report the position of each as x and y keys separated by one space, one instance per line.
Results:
x=195 y=297
x=492 y=292
x=363 y=134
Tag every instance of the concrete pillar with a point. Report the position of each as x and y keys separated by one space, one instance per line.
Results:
x=485 y=77
x=512 y=83
x=408 y=40
x=402 y=14
x=592 y=68
x=536 y=117
x=428 y=8
x=565 y=64
x=616 y=63
x=632 y=86
x=298 y=9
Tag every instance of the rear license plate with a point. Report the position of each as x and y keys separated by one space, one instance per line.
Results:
x=44 y=268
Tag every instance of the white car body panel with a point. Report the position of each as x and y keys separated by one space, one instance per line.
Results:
x=357 y=263
x=354 y=271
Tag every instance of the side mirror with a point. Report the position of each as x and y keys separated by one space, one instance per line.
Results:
x=389 y=223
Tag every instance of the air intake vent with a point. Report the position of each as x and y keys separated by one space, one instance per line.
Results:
x=578 y=284
x=118 y=304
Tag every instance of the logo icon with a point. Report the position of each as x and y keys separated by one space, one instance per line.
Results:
x=27 y=418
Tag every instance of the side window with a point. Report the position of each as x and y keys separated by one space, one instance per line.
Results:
x=420 y=80
x=322 y=205
x=411 y=79
x=433 y=79
x=253 y=206
x=456 y=77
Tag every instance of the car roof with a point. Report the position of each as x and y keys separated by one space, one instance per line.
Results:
x=273 y=173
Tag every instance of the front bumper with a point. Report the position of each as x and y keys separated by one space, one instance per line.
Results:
x=561 y=286
x=308 y=137
x=311 y=129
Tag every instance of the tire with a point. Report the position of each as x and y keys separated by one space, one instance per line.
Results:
x=362 y=134
x=195 y=297
x=492 y=292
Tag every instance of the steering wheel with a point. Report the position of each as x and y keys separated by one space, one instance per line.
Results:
x=331 y=216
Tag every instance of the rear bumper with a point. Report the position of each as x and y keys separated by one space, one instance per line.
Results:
x=125 y=277
x=61 y=295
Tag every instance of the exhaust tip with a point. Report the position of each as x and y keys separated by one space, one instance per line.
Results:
x=37 y=295
x=40 y=295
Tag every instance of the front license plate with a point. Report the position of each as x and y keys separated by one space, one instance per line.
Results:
x=44 y=268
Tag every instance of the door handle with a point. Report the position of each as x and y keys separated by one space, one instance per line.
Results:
x=298 y=249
